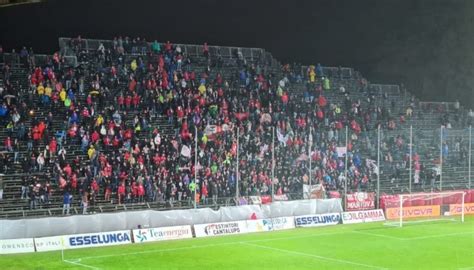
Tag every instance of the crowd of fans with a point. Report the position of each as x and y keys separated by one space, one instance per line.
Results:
x=107 y=107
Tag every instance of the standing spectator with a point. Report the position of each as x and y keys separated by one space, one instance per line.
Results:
x=24 y=188
x=67 y=198
x=40 y=161
x=85 y=202
x=1 y=187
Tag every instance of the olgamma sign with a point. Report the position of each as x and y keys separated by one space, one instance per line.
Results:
x=97 y=239
x=363 y=216
x=317 y=220
x=223 y=228
x=160 y=234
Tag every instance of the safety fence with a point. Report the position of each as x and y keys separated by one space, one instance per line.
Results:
x=197 y=223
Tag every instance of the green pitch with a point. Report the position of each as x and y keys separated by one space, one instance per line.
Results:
x=432 y=245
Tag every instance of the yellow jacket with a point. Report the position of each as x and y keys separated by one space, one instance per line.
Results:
x=202 y=89
x=62 y=95
x=40 y=90
x=90 y=152
x=133 y=65
x=48 y=91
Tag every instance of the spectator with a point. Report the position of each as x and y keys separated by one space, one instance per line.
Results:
x=67 y=198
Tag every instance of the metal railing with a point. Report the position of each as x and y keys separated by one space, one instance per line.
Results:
x=189 y=49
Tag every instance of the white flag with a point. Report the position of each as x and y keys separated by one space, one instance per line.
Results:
x=186 y=151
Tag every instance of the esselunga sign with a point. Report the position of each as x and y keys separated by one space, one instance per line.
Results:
x=317 y=220
x=97 y=239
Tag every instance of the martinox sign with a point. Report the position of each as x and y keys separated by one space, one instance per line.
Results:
x=414 y=211
x=360 y=201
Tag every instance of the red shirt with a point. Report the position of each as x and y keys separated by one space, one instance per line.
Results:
x=136 y=100
x=128 y=100
x=53 y=146
x=121 y=190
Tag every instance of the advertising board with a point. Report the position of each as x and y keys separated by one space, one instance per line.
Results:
x=22 y=245
x=317 y=220
x=363 y=216
x=222 y=228
x=160 y=234
x=413 y=212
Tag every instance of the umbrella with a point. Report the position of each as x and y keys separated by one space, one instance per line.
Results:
x=9 y=96
x=95 y=92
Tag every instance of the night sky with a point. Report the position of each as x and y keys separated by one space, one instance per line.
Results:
x=426 y=44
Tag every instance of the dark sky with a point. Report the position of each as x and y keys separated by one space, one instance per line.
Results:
x=425 y=44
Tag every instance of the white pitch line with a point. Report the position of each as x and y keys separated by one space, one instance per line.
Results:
x=210 y=245
x=437 y=236
x=379 y=235
x=466 y=268
x=313 y=256
x=413 y=238
x=81 y=264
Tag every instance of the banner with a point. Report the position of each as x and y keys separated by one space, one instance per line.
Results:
x=255 y=199
x=259 y=225
x=22 y=245
x=313 y=191
x=317 y=220
x=360 y=201
x=49 y=243
x=341 y=151
x=266 y=199
x=160 y=234
x=186 y=151
x=455 y=209
x=97 y=239
x=283 y=223
x=281 y=197
x=363 y=216
x=223 y=228
x=414 y=211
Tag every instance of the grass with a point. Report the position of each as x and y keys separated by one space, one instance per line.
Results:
x=431 y=245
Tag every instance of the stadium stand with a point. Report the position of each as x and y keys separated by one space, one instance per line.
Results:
x=111 y=124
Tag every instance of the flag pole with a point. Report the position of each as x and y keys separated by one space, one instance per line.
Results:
x=441 y=158
x=195 y=163
x=237 y=168
x=310 y=139
x=410 y=159
x=378 y=166
x=273 y=162
x=470 y=155
x=345 y=167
